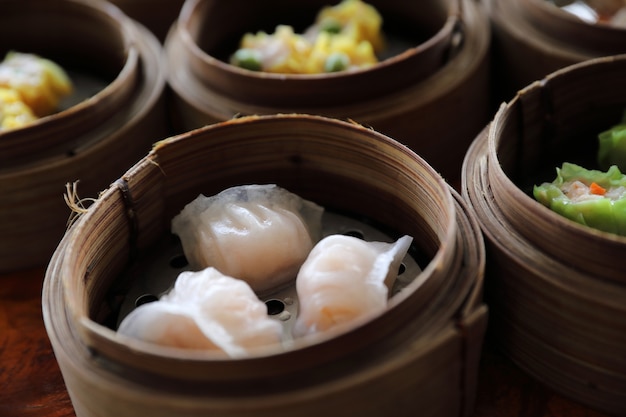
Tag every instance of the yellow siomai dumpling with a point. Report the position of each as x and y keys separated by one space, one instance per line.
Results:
x=14 y=113
x=353 y=19
x=332 y=53
x=282 y=51
x=40 y=82
x=345 y=36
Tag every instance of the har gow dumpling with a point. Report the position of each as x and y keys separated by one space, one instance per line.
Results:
x=258 y=233
x=205 y=310
x=345 y=279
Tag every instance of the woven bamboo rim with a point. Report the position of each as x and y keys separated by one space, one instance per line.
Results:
x=533 y=39
x=88 y=32
x=34 y=215
x=558 y=311
x=437 y=325
x=414 y=115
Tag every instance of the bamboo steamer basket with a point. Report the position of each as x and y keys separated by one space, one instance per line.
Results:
x=110 y=120
x=156 y=15
x=436 y=72
x=556 y=288
x=421 y=354
x=533 y=38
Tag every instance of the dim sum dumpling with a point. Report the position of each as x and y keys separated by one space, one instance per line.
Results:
x=40 y=82
x=258 y=233
x=593 y=198
x=345 y=279
x=205 y=310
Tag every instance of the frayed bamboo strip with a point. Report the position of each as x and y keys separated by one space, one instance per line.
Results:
x=74 y=202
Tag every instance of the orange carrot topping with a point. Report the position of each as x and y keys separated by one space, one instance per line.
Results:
x=596 y=189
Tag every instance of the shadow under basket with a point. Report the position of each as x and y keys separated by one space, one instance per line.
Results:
x=429 y=90
x=420 y=355
x=556 y=288
x=114 y=113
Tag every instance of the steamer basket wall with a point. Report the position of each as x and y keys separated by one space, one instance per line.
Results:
x=428 y=341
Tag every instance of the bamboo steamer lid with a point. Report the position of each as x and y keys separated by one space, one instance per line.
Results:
x=556 y=288
x=440 y=76
x=533 y=38
x=428 y=341
x=110 y=120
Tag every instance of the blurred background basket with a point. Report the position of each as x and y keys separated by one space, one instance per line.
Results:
x=533 y=38
x=115 y=113
x=432 y=94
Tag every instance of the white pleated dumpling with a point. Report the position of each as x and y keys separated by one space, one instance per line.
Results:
x=205 y=310
x=258 y=233
x=346 y=279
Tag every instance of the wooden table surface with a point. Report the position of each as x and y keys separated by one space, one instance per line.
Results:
x=31 y=384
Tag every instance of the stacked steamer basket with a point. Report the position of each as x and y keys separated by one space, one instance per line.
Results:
x=420 y=356
x=430 y=93
x=533 y=38
x=556 y=288
x=114 y=113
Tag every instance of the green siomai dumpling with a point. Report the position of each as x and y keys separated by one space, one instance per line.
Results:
x=590 y=197
x=612 y=146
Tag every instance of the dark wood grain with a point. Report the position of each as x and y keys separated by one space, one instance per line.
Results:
x=31 y=384
x=30 y=380
x=505 y=391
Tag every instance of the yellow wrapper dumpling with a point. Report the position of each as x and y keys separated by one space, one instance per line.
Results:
x=343 y=37
x=282 y=52
x=332 y=53
x=40 y=82
x=13 y=112
x=354 y=19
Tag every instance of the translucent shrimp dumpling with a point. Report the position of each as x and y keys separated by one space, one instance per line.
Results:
x=346 y=279
x=258 y=233
x=205 y=310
